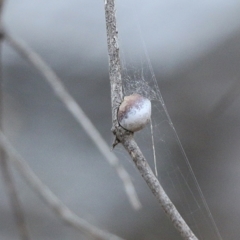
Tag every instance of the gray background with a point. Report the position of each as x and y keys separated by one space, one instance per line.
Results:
x=195 y=51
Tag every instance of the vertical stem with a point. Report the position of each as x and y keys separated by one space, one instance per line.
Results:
x=114 y=59
x=6 y=172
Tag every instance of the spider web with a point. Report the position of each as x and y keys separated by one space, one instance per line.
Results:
x=174 y=170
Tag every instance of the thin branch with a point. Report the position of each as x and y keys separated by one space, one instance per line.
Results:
x=72 y=106
x=114 y=60
x=1 y=9
x=225 y=101
x=13 y=197
x=14 y=201
x=60 y=209
x=126 y=138
x=156 y=188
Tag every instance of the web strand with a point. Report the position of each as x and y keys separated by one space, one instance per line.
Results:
x=178 y=140
x=153 y=148
x=135 y=81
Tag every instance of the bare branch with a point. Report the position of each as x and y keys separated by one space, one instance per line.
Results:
x=225 y=101
x=126 y=138
x=13 y=197
x=72 y=106
x=14 y=201
x=1 y=9
x=60 y=209
x=153 y=183
x=114 y=60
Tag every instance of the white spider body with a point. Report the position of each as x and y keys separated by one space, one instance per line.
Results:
x=134 y=112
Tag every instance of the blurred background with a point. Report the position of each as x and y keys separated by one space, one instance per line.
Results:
x=194 y=48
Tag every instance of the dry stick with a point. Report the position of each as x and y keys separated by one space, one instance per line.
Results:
x=77 y=113
x=61 y=210
x=14 y=201
x=126 y=138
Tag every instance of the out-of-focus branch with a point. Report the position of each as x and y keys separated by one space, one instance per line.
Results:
x=72 y=106
x=1 y=9
x=14 y=201
x=225 y=101
x=125 y=137
x=13 y=197
x=60 y=209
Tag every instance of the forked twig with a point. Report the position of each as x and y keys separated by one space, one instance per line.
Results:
x=125 y=137
x=60 y=209
x=72 y=106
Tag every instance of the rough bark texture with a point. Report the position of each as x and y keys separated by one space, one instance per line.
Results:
x=114 y=60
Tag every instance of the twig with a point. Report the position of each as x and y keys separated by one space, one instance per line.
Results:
x=114 y=60
x=60 y=209
x=72 y=106
x=14 y=201
x=126 y=138
x=225 y=101
x=1 y=9
x=13 y=198
x=156 y=188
